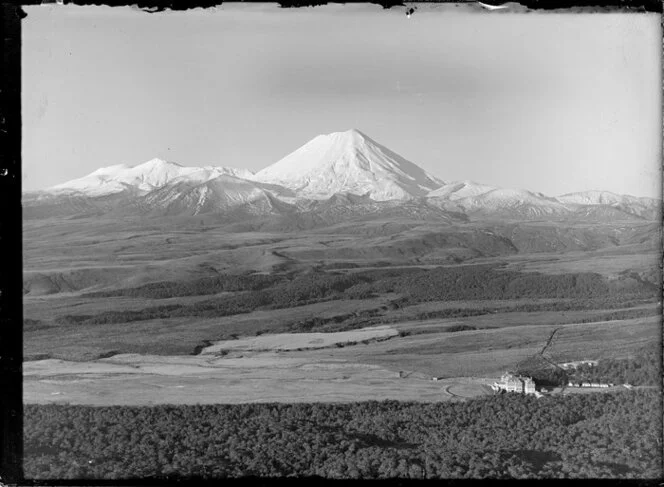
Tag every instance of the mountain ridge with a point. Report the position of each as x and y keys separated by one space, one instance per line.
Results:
x=348 y=162
x=147 y=176
x=347 y=172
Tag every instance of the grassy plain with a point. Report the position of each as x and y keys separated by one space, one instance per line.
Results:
x=393 y=367
x=160 y=360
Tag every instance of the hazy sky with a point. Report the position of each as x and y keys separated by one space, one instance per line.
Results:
x=548 y=102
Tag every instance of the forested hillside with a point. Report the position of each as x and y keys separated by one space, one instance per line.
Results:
x=645 y=368
x=414 y=285
x=612 y=435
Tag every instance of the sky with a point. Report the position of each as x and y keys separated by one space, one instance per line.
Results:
x=554 y=103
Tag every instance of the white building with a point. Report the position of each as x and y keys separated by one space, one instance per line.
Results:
x=588 y=384
x=514 y=383
x=578 y=363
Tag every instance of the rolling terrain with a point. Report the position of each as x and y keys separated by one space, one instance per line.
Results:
x=154 y=283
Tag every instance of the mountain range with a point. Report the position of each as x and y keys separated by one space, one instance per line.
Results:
x=343 y=175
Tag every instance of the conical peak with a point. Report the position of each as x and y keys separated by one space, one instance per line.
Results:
x=347 y=142
x=348 y=162
x=352 y=134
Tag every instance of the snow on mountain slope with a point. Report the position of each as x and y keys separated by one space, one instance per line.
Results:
x=478 y=199
x=145 y=177
x=349 y=162
x=347 y=207
x=222 y=193
x=601 y=213
x=603 y=198
x=343 y=175
x=640 y=206
x=460 y=189
x=509 y=197
x=512 y=202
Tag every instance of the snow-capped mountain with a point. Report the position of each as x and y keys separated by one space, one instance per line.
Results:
x=460 y=189
x=349 y=162
x=517 y=202
x=222 y=193
x=474 y=198
x=334 y=177
x=602 y=198
x=142 y=178
x=588 y=201
x=479 y=199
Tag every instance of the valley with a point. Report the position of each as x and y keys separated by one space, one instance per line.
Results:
x=343 y=272
x=206 y=315
x=369 y=364
x=332 y=242
x=99 y=268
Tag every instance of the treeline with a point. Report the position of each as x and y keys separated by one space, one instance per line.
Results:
x=486 y=282
x=622 y=314
x=378 y=316
x=643 y=369
x=231 y=305
x=414 y=285
x=195 y=287
x=304 y=289
x=611 y=435
x=442 y=283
